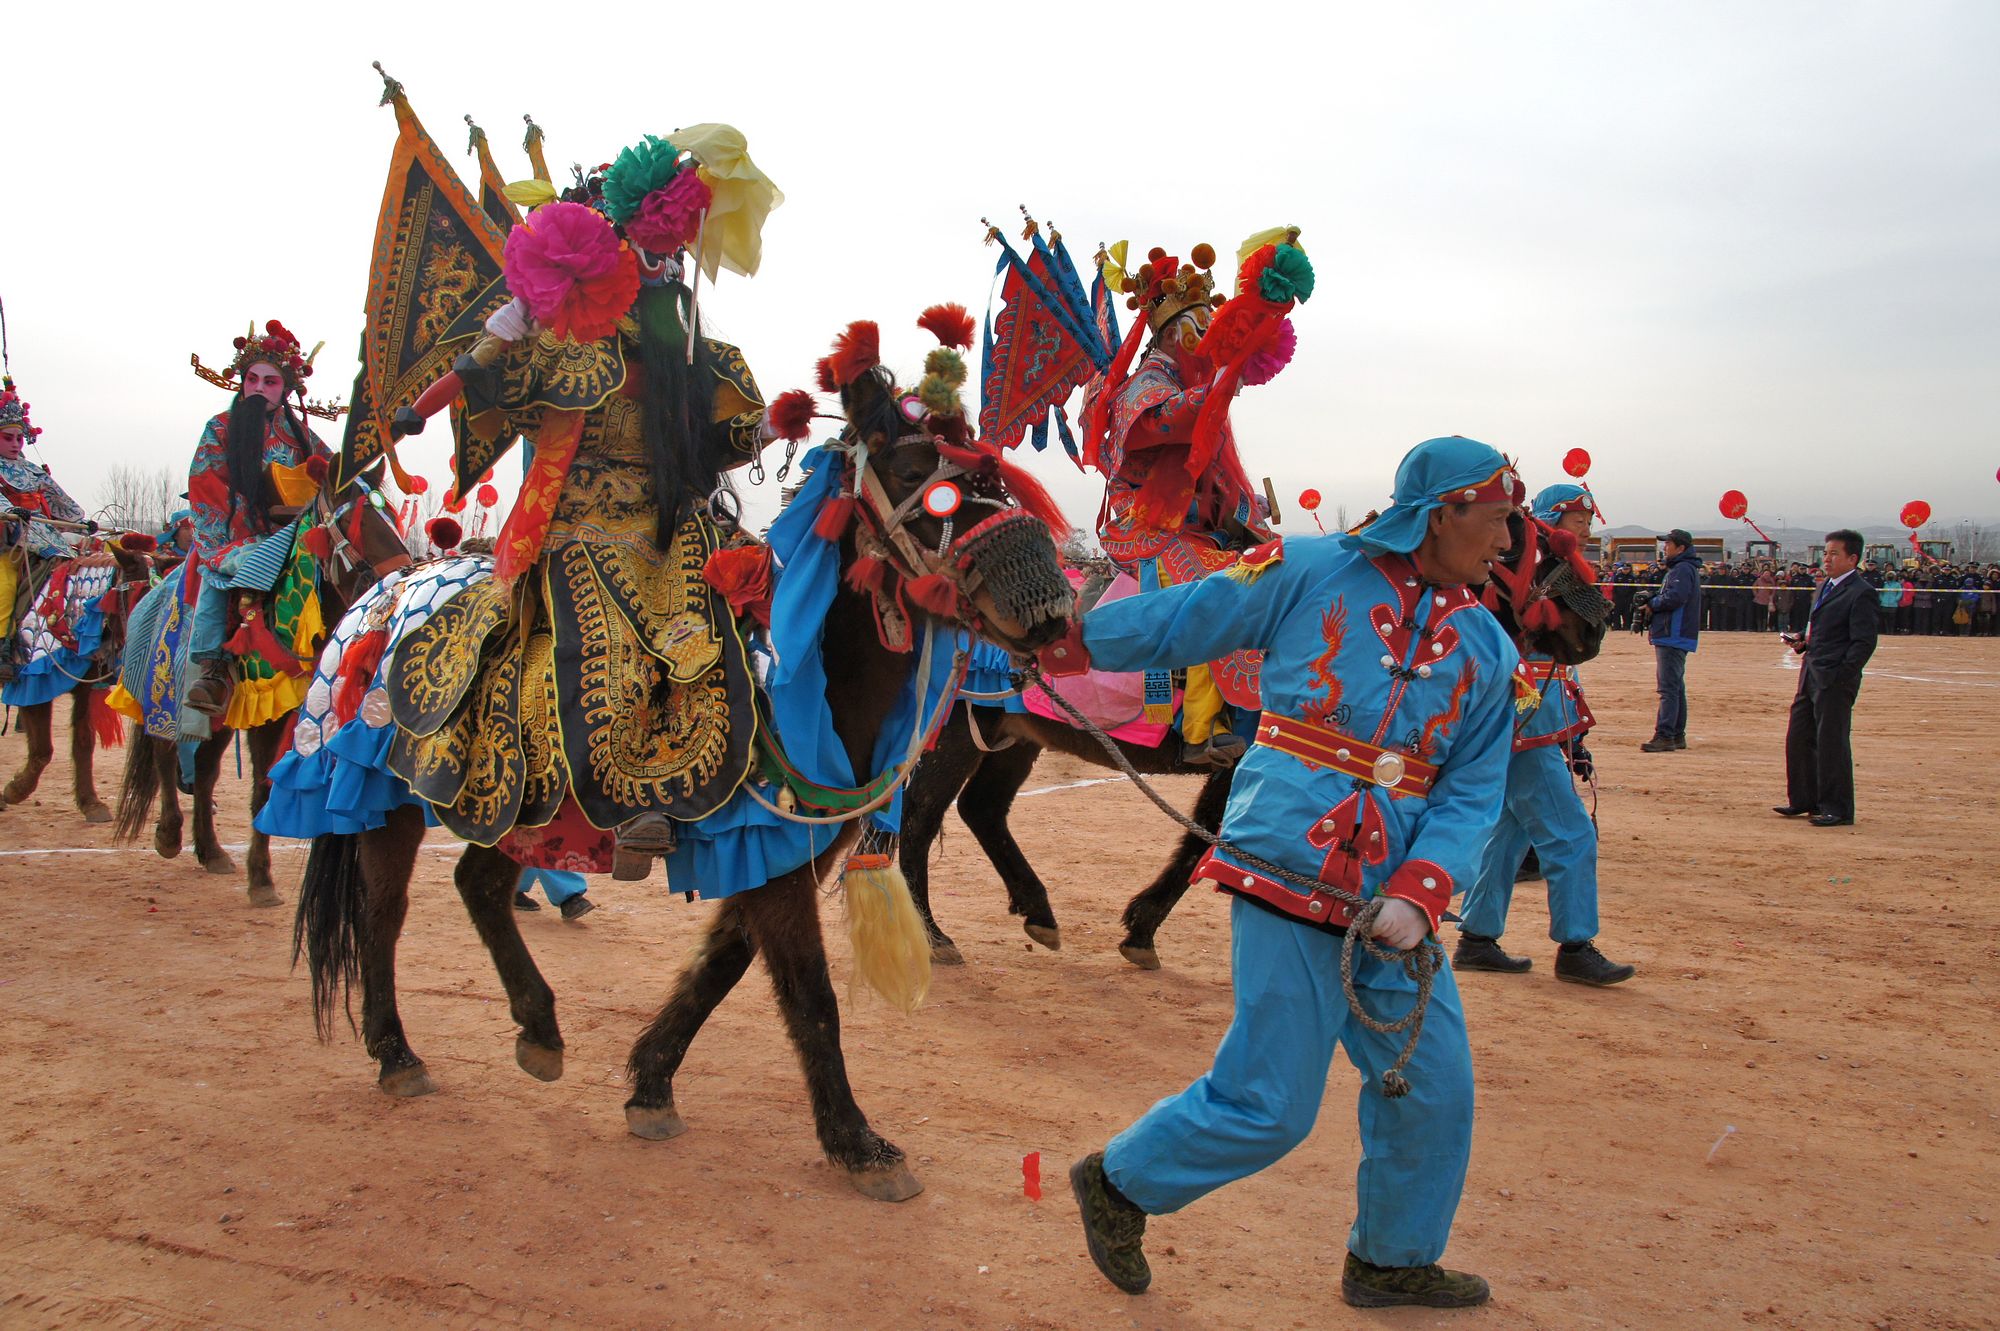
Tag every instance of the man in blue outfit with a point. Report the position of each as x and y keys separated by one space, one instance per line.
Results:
x=1675 y=627
x=1378 y=768
x=565 y=891
x=1543 y=813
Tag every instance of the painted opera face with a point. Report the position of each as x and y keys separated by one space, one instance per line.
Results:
x=1183 y=332
x=265 y=381
x=12 y=440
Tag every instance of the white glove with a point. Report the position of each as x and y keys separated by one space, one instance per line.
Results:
x=511 y=323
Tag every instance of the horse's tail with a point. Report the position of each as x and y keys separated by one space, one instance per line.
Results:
x=330 y=926
x=892 y=949
x=139 y=788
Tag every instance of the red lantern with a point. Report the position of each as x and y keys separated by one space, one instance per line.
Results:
x=1576 y=462
x=418 y=485
x=1916 y=513
x=1308 y=500
x=488 y=496
x=1734 y=504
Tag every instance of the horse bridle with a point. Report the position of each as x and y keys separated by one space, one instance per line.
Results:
x=884 y=533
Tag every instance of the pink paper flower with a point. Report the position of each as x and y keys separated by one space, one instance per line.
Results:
x=568 y=264
x=1263 y=364
x=670 y=216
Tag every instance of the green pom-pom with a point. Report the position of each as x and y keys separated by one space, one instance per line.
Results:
x=939 y=395
x=1289 y=276
x=946 y=364
x=639 y=170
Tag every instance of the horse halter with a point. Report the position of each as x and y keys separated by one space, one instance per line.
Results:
x=347 y=545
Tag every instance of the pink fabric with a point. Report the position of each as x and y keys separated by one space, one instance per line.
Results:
x=1113 y=700
x=669 y=217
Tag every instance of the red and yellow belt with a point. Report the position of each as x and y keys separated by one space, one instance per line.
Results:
x=1389 y=768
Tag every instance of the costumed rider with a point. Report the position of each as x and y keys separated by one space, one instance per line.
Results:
x=29 y=497
x=597 y=589
x=248 y=482
x=1378 y=767
x=1178 y=505
x=1543 y=811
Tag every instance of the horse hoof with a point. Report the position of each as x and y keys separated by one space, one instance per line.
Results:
x=166 y=847
x=655 y=1123
x=1145 y=958
x=886 y=1183
x=408 y=1083
x=946 y=954
x=96 y=813
x=219 y=865
x=538 y=1061
x=1048 y=935
x=265 y=895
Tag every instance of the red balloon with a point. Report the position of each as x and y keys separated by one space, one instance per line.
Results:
x=488 y=495
x=1916 y=513
x=1734 y=504
x=1308 y=500
x=418 y=485
x=1576 y=462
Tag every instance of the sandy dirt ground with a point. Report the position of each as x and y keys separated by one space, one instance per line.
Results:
x=177 y=1151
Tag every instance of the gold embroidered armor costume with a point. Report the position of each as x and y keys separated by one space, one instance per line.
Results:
x=608 y=672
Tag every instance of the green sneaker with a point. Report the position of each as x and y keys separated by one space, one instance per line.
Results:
x=1365 y=1285
x=1112 y=1226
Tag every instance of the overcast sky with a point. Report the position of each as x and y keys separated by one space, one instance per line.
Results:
x=1748 y=245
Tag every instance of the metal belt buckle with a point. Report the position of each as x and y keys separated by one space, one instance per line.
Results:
x=1389 y=769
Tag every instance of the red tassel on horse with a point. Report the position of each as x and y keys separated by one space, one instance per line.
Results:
x=107 y=725
x=358 y=664
x=936 y=593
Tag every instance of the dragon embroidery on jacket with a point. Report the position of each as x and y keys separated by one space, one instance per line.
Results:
x=1333 y=628
x=1439 y=726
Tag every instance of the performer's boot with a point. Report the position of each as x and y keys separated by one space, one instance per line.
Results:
x=1531 y=867
x=1365 y=1285
x=1113 y=1228
x=1222 y=750
x=1582 y=963
x=1477 y=952
x=209 y=694
x=641 y=839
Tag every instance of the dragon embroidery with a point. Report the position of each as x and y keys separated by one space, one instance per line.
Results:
x=1333 y=628
x=1439 y=726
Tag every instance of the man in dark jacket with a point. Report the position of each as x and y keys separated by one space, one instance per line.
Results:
x=1674 y=631
x=1839 y=639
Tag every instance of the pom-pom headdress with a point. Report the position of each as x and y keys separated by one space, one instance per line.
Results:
x=1165 y=287
x=1250 y=339
x=14 y=412
x=277 y=347
x=566 y=262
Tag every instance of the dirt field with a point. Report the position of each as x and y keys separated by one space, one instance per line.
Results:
x=178 y=1152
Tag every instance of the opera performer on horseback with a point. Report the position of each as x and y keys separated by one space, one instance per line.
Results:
x=1376 y=774
x=30 y=497
x=586 y=693
x=247 y=484
x=1178 y=504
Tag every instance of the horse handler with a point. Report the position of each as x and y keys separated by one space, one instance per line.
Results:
x=1379 y=767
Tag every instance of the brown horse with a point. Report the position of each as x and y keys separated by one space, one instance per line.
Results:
x=1003 y=577
x=131 y=557
x=152 y=768
x=984 y=756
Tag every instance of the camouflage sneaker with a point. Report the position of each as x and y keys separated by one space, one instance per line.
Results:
x=1112 y=1226
x=1365 y=1285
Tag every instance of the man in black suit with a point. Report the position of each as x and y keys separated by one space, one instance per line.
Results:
x=1839 y=639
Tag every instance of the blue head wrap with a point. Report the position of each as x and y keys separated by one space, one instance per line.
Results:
x=1546 y=502
x=1452 y=470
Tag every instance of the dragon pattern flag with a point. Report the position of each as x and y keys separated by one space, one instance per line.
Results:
x=433 y=278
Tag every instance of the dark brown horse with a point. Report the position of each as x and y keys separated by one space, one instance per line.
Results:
x=132 y=559
x=152 y=768
x=983 y=771
x=356 y=890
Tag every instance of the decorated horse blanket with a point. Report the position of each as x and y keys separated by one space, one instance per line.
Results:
x=62 y=632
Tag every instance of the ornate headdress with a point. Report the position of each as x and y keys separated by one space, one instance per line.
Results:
x=277 y=347
x=1165 y=287
x=14 y=412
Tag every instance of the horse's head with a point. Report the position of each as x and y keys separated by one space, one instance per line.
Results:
x=933 y=521
x=353 y=537
x=1544 y=593
x=133 y=553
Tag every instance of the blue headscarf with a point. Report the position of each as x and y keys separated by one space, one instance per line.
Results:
x=1551 y=496
x=1434 y=473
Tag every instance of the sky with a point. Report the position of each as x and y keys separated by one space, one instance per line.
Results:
x=1717 y=245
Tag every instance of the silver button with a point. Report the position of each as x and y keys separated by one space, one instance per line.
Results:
x=1389 y=769
x=1430 y=882
x=1471 y=495
x=1388 y=662
x=1317 y=907
x=1409 y=582
x=1437 y=649
x=1440 y=602
x=1374 y=836
x=1340 y=754
x=1248 y=881
x=1423 y=672
x=1327 y=825
x=1272 y=731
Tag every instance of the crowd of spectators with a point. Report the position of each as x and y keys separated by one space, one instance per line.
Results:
x=1758 y=596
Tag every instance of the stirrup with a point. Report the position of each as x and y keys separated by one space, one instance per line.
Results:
x=641 y=839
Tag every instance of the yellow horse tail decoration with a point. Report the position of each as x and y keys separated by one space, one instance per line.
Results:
x=892 y=949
